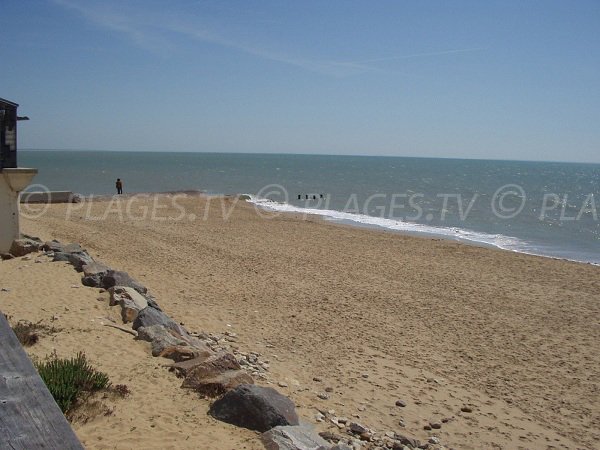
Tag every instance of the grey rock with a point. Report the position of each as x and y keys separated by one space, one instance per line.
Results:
x=72 y=248
x=254 y=407
x=182 y=368
x=6 y=256
x=160 y=338
x=223 y=382
x=301 y=437
x=95 y=268
x=211 y=366
x=22 y=247
x=405 y=440
x=53 y=246
x=92 y=280
x=401 y=403
x=151 y=316
x=80 y=259
x=118 y=278
x=130 y=300
x=60 y=257
x=358 y=428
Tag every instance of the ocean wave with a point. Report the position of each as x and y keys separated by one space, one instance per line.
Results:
x=495 y=240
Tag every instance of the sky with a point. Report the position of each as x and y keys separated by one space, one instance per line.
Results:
x=459 y=79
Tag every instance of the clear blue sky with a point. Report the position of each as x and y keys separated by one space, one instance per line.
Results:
x=480 y=79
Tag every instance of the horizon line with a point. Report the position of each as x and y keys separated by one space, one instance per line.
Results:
x=308 y=154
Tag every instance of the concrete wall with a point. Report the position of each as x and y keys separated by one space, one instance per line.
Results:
x=9 y=215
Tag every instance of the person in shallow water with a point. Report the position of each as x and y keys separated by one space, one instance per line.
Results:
x=119 y=185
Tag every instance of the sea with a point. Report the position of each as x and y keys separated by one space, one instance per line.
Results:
x=543 y=208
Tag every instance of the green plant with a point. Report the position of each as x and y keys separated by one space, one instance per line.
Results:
x=68 y=380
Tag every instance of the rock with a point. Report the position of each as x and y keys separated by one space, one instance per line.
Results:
x=160 y=338
x=330 y=437
x=73 y=248
x=151 y=316
x=211 y=366
x=118 y=278
x=282 y=384
x=22 y=247
x=323 y=396
x=60 y=257
x=401 y=403
x=6 y=256
x=181 y=353
x=53 y=246
x=357 y=428
x=183 y=368
x=301 y=437
x=92 y=281
x=405 y=440
x=434 y=440
x=223 y=382
x=80 y=259
x=130 y=300
x=435 y=425
x=95 y=268
x=466 y=409
x=152 y=302
x=254 y=407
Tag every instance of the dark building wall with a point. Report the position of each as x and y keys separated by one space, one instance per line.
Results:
x=8 y=135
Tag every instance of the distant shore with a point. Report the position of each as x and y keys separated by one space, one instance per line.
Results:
x=364 y=317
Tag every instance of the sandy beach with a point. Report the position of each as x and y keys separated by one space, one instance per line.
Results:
x=366 y=316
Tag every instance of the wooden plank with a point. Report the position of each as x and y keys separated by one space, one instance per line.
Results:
x=29 y=416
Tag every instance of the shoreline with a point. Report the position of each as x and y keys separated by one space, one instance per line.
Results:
x=355 y=223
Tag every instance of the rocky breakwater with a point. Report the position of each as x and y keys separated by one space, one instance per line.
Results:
x=199 y=358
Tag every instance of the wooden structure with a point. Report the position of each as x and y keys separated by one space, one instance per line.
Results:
x=29 y=416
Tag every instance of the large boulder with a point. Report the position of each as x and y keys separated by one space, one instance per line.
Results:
x=182 y=353
x=223 y=382
x=170 y=344
x=77 y=259
x=254 y=407
x=21 y=247
x=95 y=268
x=117 y=278
x=93 y=274
x=160 y=338
x=130 y=300
x=151 y=316
x=302 y=437
x=53 y=246
x=211 y=366
x=182 y=368
x=80 y=259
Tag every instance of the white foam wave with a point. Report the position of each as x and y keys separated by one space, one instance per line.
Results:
x=495 y=240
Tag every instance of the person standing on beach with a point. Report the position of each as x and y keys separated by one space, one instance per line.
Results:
x=119 y=186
